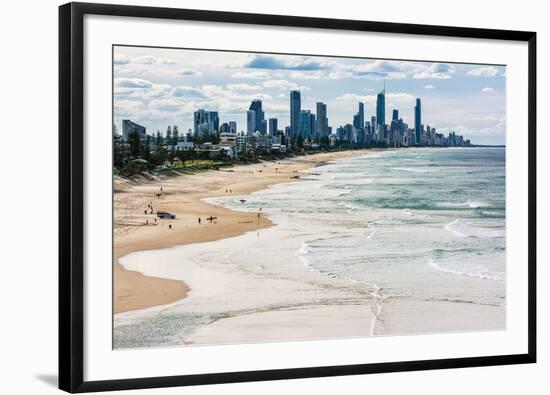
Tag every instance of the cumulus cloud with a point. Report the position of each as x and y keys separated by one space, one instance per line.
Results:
x=134 y=83
x=435 y=70
x=253 y=75
x=121 y=60
x=145 y=60
x=187 y=91
x=189 y=72
x=487 y=71
x=284 y=63
x=243 y=87
x=379 y=69
x=487 y=89
x=283 y=84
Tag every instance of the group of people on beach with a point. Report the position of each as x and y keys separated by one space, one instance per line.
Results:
x=150 y=210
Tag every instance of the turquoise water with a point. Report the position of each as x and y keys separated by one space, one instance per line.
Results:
x=417 y=223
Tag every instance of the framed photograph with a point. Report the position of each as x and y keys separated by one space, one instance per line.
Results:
x=250 y=197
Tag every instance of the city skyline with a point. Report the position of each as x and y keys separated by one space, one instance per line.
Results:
x=161 y=87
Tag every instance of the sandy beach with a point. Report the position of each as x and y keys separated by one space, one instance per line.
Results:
x=135 y=228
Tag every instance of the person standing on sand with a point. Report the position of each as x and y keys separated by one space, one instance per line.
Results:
x=199 y=220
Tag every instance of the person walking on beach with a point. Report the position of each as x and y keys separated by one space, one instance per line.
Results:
x=258 y=218
x=199 y=220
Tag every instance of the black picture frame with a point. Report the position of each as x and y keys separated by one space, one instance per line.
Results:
x=71 y=197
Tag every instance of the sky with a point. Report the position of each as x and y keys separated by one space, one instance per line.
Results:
x=157 y=87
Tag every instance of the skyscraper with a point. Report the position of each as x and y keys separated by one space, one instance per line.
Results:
x=273 y=126
x=205 y=121
x=256 y=106
x=395 y=115
x=232 y=127
x=322 y=122
x=381 y=107
x=417 y=121
x=250 y=122
x=362 y=115
x=295 y=108
x=306 y=124
x=359 y=118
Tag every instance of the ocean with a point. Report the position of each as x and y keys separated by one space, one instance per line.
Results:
x=416 y=236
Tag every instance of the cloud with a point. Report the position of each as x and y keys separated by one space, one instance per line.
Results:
x=310 y=75
x=189 y=72
x=166 y=61
x=169 y=104
x=284 y=63
x=188 y=92
x=488 y=71
x=487 y=89
x=379 y=69
x=243 y=87
x=429 y=86
x=134 y=83
x=145 y=60
x=284 y=85
x=351 y=96
x=121 y=60
x=253 y=75
x=435 y=70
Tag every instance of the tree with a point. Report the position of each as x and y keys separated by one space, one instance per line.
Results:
x=169 y=135
x=215 y=138
x=300 y=141
x=175 y=135
x=135 y=145
x=324 y=141
x=146 y=149
x=158 y=140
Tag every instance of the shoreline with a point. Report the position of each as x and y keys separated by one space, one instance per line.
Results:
x=183 y=195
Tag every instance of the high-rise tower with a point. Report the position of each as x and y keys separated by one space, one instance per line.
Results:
x=295 y=108
x=417 y=121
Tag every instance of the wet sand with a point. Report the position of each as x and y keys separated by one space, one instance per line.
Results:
x=182 y=195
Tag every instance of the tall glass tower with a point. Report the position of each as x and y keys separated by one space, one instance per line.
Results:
x=295 y=108
x=361 y=115
x=322 y=127
x=250 y=122
x=256 y=106
x=417 y=121
x=381 y=107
